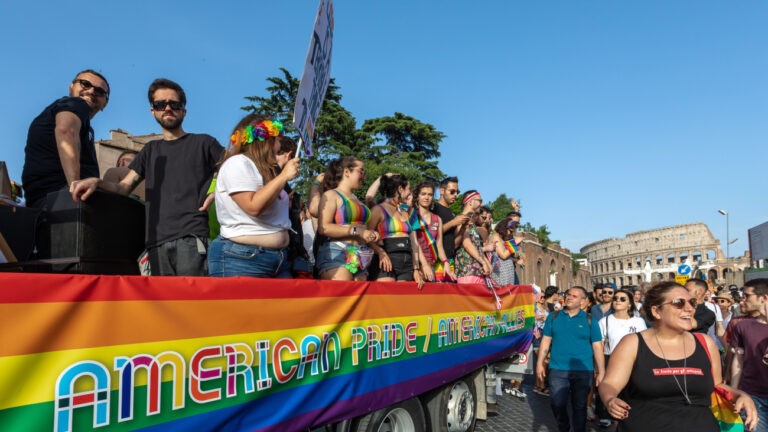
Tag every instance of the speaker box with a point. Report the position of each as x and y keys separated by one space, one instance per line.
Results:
x=17 y=225
x=102 y=235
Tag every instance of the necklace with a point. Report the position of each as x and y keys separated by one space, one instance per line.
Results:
x=685 y=369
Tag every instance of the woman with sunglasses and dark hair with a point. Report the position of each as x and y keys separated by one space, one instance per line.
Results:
x=614 y=327
x=342 y=229
x=662 y=379
x=251 y=204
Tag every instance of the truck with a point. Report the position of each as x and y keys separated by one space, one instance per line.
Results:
x=105 y=352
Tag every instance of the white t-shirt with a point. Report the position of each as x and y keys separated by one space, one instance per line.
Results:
x=613 y=329
x=718 y=319
x=239 y=174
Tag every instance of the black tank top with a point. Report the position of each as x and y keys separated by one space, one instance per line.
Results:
x=656 y=401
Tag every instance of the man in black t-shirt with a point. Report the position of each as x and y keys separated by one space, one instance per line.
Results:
x=178 y=171
x=452 y=224
x=60 y=145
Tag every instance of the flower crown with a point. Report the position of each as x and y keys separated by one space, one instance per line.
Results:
x=262 y=131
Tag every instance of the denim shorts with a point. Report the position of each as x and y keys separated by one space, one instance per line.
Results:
x=227 y=258
x=331 y=255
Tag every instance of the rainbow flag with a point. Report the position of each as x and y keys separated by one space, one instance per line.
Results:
x=512 y=247
x=181 y=353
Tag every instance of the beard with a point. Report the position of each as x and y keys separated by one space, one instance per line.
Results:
x=169 y=123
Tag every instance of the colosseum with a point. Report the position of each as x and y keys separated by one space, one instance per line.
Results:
x=646 y=256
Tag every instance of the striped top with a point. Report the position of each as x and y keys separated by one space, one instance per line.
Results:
x=351 y=212
x=390 y=226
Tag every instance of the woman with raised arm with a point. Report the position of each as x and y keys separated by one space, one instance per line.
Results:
x=343 y=253
x=398 y=255
x=662 y=379
x=252 y=205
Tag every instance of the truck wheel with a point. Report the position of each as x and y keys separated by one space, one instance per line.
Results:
x=452 y=408
x=406 y=416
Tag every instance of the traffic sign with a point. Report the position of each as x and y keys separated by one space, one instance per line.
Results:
x=682 y=279
x=684 y=269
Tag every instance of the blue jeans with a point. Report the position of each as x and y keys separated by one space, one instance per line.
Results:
x=762 y=412
x=573 y=385
x=227 y=258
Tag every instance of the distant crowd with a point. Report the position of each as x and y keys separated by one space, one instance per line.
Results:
x=655 y=356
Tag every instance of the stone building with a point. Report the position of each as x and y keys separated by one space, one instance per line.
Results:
x=550 y=265
x=656 y=255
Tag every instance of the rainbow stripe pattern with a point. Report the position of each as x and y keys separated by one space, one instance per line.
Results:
x=181 y=353
x=512 y=247
x=351 y=212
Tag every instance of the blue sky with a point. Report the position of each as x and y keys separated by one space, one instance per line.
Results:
x=602 y=117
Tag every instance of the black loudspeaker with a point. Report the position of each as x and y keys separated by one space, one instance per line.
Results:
x=17 y=225
x=102 y=235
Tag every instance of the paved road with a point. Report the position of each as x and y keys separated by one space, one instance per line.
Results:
x=532 y=414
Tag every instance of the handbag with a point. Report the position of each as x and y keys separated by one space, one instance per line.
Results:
x=722 y=404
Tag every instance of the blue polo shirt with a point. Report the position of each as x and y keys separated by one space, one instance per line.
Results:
x=572 y=339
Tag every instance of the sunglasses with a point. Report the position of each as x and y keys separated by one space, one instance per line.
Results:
x=679 y=303
x=620 y=299
x=452 y=191
x=607 y=292
x=161 y=104
x=87 y=85
x=723 y=301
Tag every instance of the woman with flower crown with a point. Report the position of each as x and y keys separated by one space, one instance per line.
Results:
x=251 y=203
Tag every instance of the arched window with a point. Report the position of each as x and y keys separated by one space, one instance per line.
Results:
x=659 y=258
x=696 y=256
x=683 y=257
x=711 y=255
x=671 y=258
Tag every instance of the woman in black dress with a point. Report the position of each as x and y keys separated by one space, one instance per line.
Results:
x=662 y=379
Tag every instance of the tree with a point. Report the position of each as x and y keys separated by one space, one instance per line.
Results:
x=500 y=207
x=399 y=144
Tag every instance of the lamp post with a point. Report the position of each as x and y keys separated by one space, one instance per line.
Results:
x=727 y=242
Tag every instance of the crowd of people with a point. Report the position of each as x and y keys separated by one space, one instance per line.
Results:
x=222 y=212
x=637 y=347
x=655 y=355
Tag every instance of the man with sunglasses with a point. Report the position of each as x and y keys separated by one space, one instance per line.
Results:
x=749 y=369
x=178 y=171
x=704 y=317
x=449 y=191
x=604 y=299
x=60 y=146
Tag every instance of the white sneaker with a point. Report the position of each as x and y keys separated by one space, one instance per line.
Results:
x=517 y=393
x=606 y=423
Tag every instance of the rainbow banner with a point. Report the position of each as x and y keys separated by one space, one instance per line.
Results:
x=180 y=353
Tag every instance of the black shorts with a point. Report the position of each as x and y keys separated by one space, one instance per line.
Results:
x=401 y=255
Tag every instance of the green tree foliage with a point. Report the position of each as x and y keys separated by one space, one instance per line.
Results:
x=397 y=144
x=500 y=207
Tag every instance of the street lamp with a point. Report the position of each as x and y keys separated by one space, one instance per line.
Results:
x=727 y=242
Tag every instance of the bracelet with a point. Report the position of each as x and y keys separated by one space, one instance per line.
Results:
x=315 y=183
